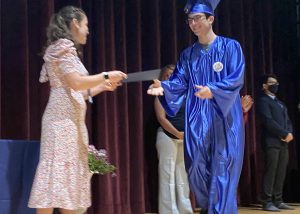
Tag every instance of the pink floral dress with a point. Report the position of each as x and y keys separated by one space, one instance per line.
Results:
x=62 y=178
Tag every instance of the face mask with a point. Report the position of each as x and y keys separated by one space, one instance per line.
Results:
x=273 y=88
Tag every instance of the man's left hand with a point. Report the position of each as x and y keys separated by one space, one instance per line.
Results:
x=204 y=92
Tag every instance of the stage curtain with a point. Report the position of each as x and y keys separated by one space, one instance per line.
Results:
x=137 y=35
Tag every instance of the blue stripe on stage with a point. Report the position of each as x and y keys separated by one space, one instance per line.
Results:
x=18 y=162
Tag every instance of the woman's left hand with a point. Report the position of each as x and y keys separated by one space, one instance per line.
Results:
x=110 y=86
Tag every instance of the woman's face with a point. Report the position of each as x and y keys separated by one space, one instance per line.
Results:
x=167 y=73
x=80 y=30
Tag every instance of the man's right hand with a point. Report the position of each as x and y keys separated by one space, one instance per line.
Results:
x=155 y=89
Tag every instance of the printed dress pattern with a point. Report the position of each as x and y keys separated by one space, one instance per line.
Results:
x=62 y=178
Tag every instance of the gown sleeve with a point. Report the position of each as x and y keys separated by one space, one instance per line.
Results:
x=175 y=88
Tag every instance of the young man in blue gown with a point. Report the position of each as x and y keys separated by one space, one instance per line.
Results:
x=209 y=76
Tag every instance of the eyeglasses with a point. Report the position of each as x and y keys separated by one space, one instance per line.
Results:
x=195 y=19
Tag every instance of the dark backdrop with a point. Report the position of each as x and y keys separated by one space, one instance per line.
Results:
x=137 y=35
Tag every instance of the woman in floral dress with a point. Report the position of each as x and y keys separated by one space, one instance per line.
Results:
x=62 y=177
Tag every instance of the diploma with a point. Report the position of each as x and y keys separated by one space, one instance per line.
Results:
x=142 y=76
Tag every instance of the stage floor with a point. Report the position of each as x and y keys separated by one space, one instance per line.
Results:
x=256 y=208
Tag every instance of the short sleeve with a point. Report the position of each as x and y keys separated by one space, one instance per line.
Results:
x=63 y=54
x=43 y=74
x=68 y=63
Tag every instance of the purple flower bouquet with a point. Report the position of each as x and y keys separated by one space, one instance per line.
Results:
x=98 y=161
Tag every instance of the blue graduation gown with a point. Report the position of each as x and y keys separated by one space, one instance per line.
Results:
x=214 y=131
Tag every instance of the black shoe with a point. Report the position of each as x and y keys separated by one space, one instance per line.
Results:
x=270 y=207
x=284 y=206
x=202 y=211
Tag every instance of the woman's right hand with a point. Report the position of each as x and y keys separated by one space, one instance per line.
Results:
x=109 y=86
x=116 y=76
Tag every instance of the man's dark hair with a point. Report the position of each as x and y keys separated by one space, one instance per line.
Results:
x=207 y=15
x=265 y=77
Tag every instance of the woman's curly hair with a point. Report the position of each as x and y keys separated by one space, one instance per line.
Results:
x=59 y=26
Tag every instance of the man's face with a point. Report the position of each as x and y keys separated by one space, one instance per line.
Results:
x=199 y=24
x=270 y=82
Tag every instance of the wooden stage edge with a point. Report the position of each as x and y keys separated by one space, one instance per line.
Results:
x=256 y=208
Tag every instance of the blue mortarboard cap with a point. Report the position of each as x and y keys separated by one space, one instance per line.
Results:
x=201 y=6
